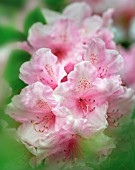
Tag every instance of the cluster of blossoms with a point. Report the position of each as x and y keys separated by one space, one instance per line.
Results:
x=74 y=88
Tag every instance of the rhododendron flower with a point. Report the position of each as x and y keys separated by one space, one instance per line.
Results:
x=89 y=101
x=108 y=62
x=42 y=67
x=86 y=85
x=54 y=144
x=61 y=38
x=88 y=125
x=35 y=104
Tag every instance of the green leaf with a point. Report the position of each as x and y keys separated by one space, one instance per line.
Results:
x=8 y=34
x=13 y=155
x=11 y=74
x=133 y=114
x=123 y=156
x=13 y=3
x=55 y=5
x=33 y=17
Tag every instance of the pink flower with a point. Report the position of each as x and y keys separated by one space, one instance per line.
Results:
x=61 y=38
x=88 y=105
x=34 y=104
x=87 y=88
x=108 y=62
x=54 y=146
x=84 y=124
x=86 y=96
x=42 y=67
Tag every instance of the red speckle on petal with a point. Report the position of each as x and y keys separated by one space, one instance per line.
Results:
x=113 y=117
x=42 y=104
x=73 y=150
x=93 y=58
x=84 y=84
x=49 y=69
x=102 y=72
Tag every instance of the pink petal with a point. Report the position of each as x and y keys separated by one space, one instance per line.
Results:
x=77 y=11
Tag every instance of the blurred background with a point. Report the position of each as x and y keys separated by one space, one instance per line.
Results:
x=16 y=16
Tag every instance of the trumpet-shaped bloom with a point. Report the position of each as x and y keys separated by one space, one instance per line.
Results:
x=34 y=104
x=42 y=67
x=54 y=146
x=84 y=93
x=61 y=37
x=85 y=126
x=108 y=62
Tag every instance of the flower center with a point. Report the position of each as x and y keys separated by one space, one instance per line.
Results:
x=42 y=104
x=86 y=105
x=43 y=123
x=72 y=150
x=60 y=53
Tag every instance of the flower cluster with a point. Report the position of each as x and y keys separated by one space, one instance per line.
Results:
x=74 y=88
